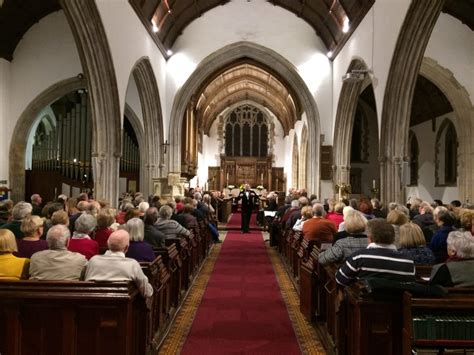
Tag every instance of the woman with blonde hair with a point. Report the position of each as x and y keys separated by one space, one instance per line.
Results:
x=397 y=218
x=32 y=227
x=11 y=267
x=412 y=244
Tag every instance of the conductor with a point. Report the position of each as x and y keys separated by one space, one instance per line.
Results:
x=248 y=198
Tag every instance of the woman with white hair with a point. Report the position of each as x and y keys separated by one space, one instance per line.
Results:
x=19 y=212
x=138 y=248
x=81 y=241
x=458 y=270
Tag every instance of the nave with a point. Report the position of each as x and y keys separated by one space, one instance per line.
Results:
x=242 y=302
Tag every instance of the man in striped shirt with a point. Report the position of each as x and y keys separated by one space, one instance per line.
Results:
x=380 y=259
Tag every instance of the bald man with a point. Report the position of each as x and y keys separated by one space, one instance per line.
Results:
x=114 y=266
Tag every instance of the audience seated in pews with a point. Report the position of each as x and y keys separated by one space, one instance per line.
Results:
x=57 y=263
x=356 y=239
x=336 y=214
x=115 y=266
x=397 y=218
x=458 y=270
x=82 y=207
x=36 y=201
x=445 y=220
x=81 y=241
x=296 y=214
x=11 y=267
x=105 y=220
x=377 y=209
x=306 y=214
x=19 y=212
x=6 y=207
x=412 y=244
x=341 y=227
x=151 y=234
x=318 y=228
x=379 y=259
x=32 y=228
x=138 y=249
x=425 y=220
x=167 y=226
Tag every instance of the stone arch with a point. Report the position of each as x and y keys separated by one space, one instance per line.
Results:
x=406 y=61
x=464 y=112
x=91 y=41
x=344 y=124
x=226 y=56
x=295 y=163
x=23 y=127
x=303 y=158
x=152 y=122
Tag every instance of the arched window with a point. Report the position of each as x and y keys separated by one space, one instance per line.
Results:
x=414 y=153
x=446 y=154
x=246 y=132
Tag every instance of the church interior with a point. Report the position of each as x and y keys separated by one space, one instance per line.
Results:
x=155 y=101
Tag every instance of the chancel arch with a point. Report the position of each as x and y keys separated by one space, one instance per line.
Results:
x=212 y=65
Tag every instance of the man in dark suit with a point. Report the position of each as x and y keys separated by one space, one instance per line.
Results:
x=248 y=198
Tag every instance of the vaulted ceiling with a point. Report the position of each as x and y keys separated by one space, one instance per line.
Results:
x=172 y=16
x=246 y=81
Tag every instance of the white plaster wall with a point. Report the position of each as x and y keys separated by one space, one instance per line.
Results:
x=45 y=55
x=374 y=42
x=259 y=22
x=129 y=41
x=452 y=45
x=133 y=99
x=4 y=115
x=426 y=189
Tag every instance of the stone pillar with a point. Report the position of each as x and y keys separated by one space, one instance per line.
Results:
x=105 y=170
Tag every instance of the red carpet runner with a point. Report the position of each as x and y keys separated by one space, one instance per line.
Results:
x=242 y=310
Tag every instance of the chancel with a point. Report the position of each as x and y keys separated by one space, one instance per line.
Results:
x=261 y=142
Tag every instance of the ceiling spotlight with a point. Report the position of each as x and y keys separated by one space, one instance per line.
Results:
x=345 y=25
x=169 y=52
x=169 y=11
x=329 y=54
x=154 y=27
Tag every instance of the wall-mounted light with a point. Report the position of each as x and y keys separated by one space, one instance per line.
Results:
x=154 y=26
x=169 y=52
x=345 y=25
x=329 y=54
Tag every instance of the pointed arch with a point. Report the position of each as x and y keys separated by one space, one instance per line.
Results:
x=91 y=41
x=345 y=116
x=404 y=68
x=223 y=58
x=24 y=125
x=446 y=154
x=152 y=122
x=295 y=163
x=303 y=159
x=413 y=158
x=463 y=109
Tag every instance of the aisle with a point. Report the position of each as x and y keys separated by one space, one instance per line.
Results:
x=242 y=310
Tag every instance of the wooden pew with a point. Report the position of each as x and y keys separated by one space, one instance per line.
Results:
x=159 y=277
x=67 y=317
x=172 y=260
x=459 y=302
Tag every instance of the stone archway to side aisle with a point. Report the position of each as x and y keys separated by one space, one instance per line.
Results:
x=464 y=111
x=405 y=66
x=152 y=122
x=345 y=115
x=267 y=57
x=91 y=41
x=22 y=131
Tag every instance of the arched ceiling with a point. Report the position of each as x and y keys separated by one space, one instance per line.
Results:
x=241 y=82
x=172 y=16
